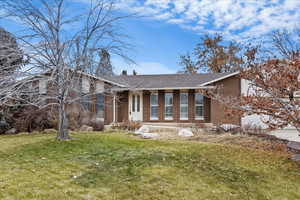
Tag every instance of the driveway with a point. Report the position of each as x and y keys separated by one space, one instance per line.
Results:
x=287 y=134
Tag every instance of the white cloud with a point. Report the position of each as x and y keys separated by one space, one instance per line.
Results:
x=142 y=67
x=246 y=18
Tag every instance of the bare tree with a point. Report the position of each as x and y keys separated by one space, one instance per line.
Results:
x=286 y=44
x=63 y=44
x=273 y=85
x=11 y=67
x=273 y=92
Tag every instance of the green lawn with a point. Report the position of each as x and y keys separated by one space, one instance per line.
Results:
x=116 y=166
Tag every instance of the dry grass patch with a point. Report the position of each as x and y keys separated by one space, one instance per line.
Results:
x=117 y=166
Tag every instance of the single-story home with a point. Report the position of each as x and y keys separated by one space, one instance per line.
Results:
x=162 y=98
x=169 y=98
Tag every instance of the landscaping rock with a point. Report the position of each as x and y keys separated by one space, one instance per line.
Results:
x=51 y=131
x=149 y=135
x=294 y=146
x=86 y=128
x=296 y=157
x=229 y=127
x=4 y=126
x=11 y=131
x=143 y=129
x=185 y=133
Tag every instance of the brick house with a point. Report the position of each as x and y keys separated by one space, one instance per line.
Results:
x=169 y=98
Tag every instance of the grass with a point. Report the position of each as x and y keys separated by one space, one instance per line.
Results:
x=117 y=166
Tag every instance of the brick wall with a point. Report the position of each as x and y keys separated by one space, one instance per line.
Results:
x=146 y=106
x=176 y=107
x=231 y=87
x=213 y=111
x=122 y=106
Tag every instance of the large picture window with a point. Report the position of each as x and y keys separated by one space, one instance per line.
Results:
x=133 y=103
x=138 y=103
x=168 y=106
x=154 y=106
x=199 y=107
x=184 y=106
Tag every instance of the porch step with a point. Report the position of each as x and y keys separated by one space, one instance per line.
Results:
x=179 y=125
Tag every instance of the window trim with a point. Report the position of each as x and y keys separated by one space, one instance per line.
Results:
x=169 y=105
x=185 y=105
x=151 y=105
x=199 y=117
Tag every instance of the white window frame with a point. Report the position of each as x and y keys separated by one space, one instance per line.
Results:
x=168 y=105
x=99 y=87
x=85 y=84
x=184 y=105
x=199 y=105
x=152 y=105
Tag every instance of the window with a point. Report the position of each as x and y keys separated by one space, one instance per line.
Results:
x=154 y=106
x=184 y=106
x=99 y=87
x=133 y=103
x=100 y=105
x=43 y=86
x=168 y=106
x=199 y=106
x=138 y=103
x=85 y=102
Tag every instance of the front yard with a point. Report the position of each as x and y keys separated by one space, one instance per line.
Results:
x=118 y=166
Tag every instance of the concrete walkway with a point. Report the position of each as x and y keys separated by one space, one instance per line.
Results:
x=287 y=134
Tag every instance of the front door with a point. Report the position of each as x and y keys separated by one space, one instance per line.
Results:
x=135 y=106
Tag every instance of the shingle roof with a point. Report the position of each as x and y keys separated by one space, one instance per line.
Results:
x=164 y=81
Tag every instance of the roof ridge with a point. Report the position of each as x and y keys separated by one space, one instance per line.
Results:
x=168 y=74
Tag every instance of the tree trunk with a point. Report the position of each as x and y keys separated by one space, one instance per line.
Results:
x=63 y=133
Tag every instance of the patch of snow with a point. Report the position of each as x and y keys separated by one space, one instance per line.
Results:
x=294 y=145
x=296 y=157
x=287 y=134
x=255 y=121
x=185 y=133
x=149 y=135
x=143 y=129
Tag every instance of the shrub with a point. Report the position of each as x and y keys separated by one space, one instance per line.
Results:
x=97 y=124
x=4 y=126
x=31 y=119
x=127 y=125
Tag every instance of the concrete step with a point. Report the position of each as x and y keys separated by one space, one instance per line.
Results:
x=180 y=125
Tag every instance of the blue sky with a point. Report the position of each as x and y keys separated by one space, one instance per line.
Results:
x=168 y=28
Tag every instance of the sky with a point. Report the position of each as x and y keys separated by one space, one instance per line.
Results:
x=162 y=30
